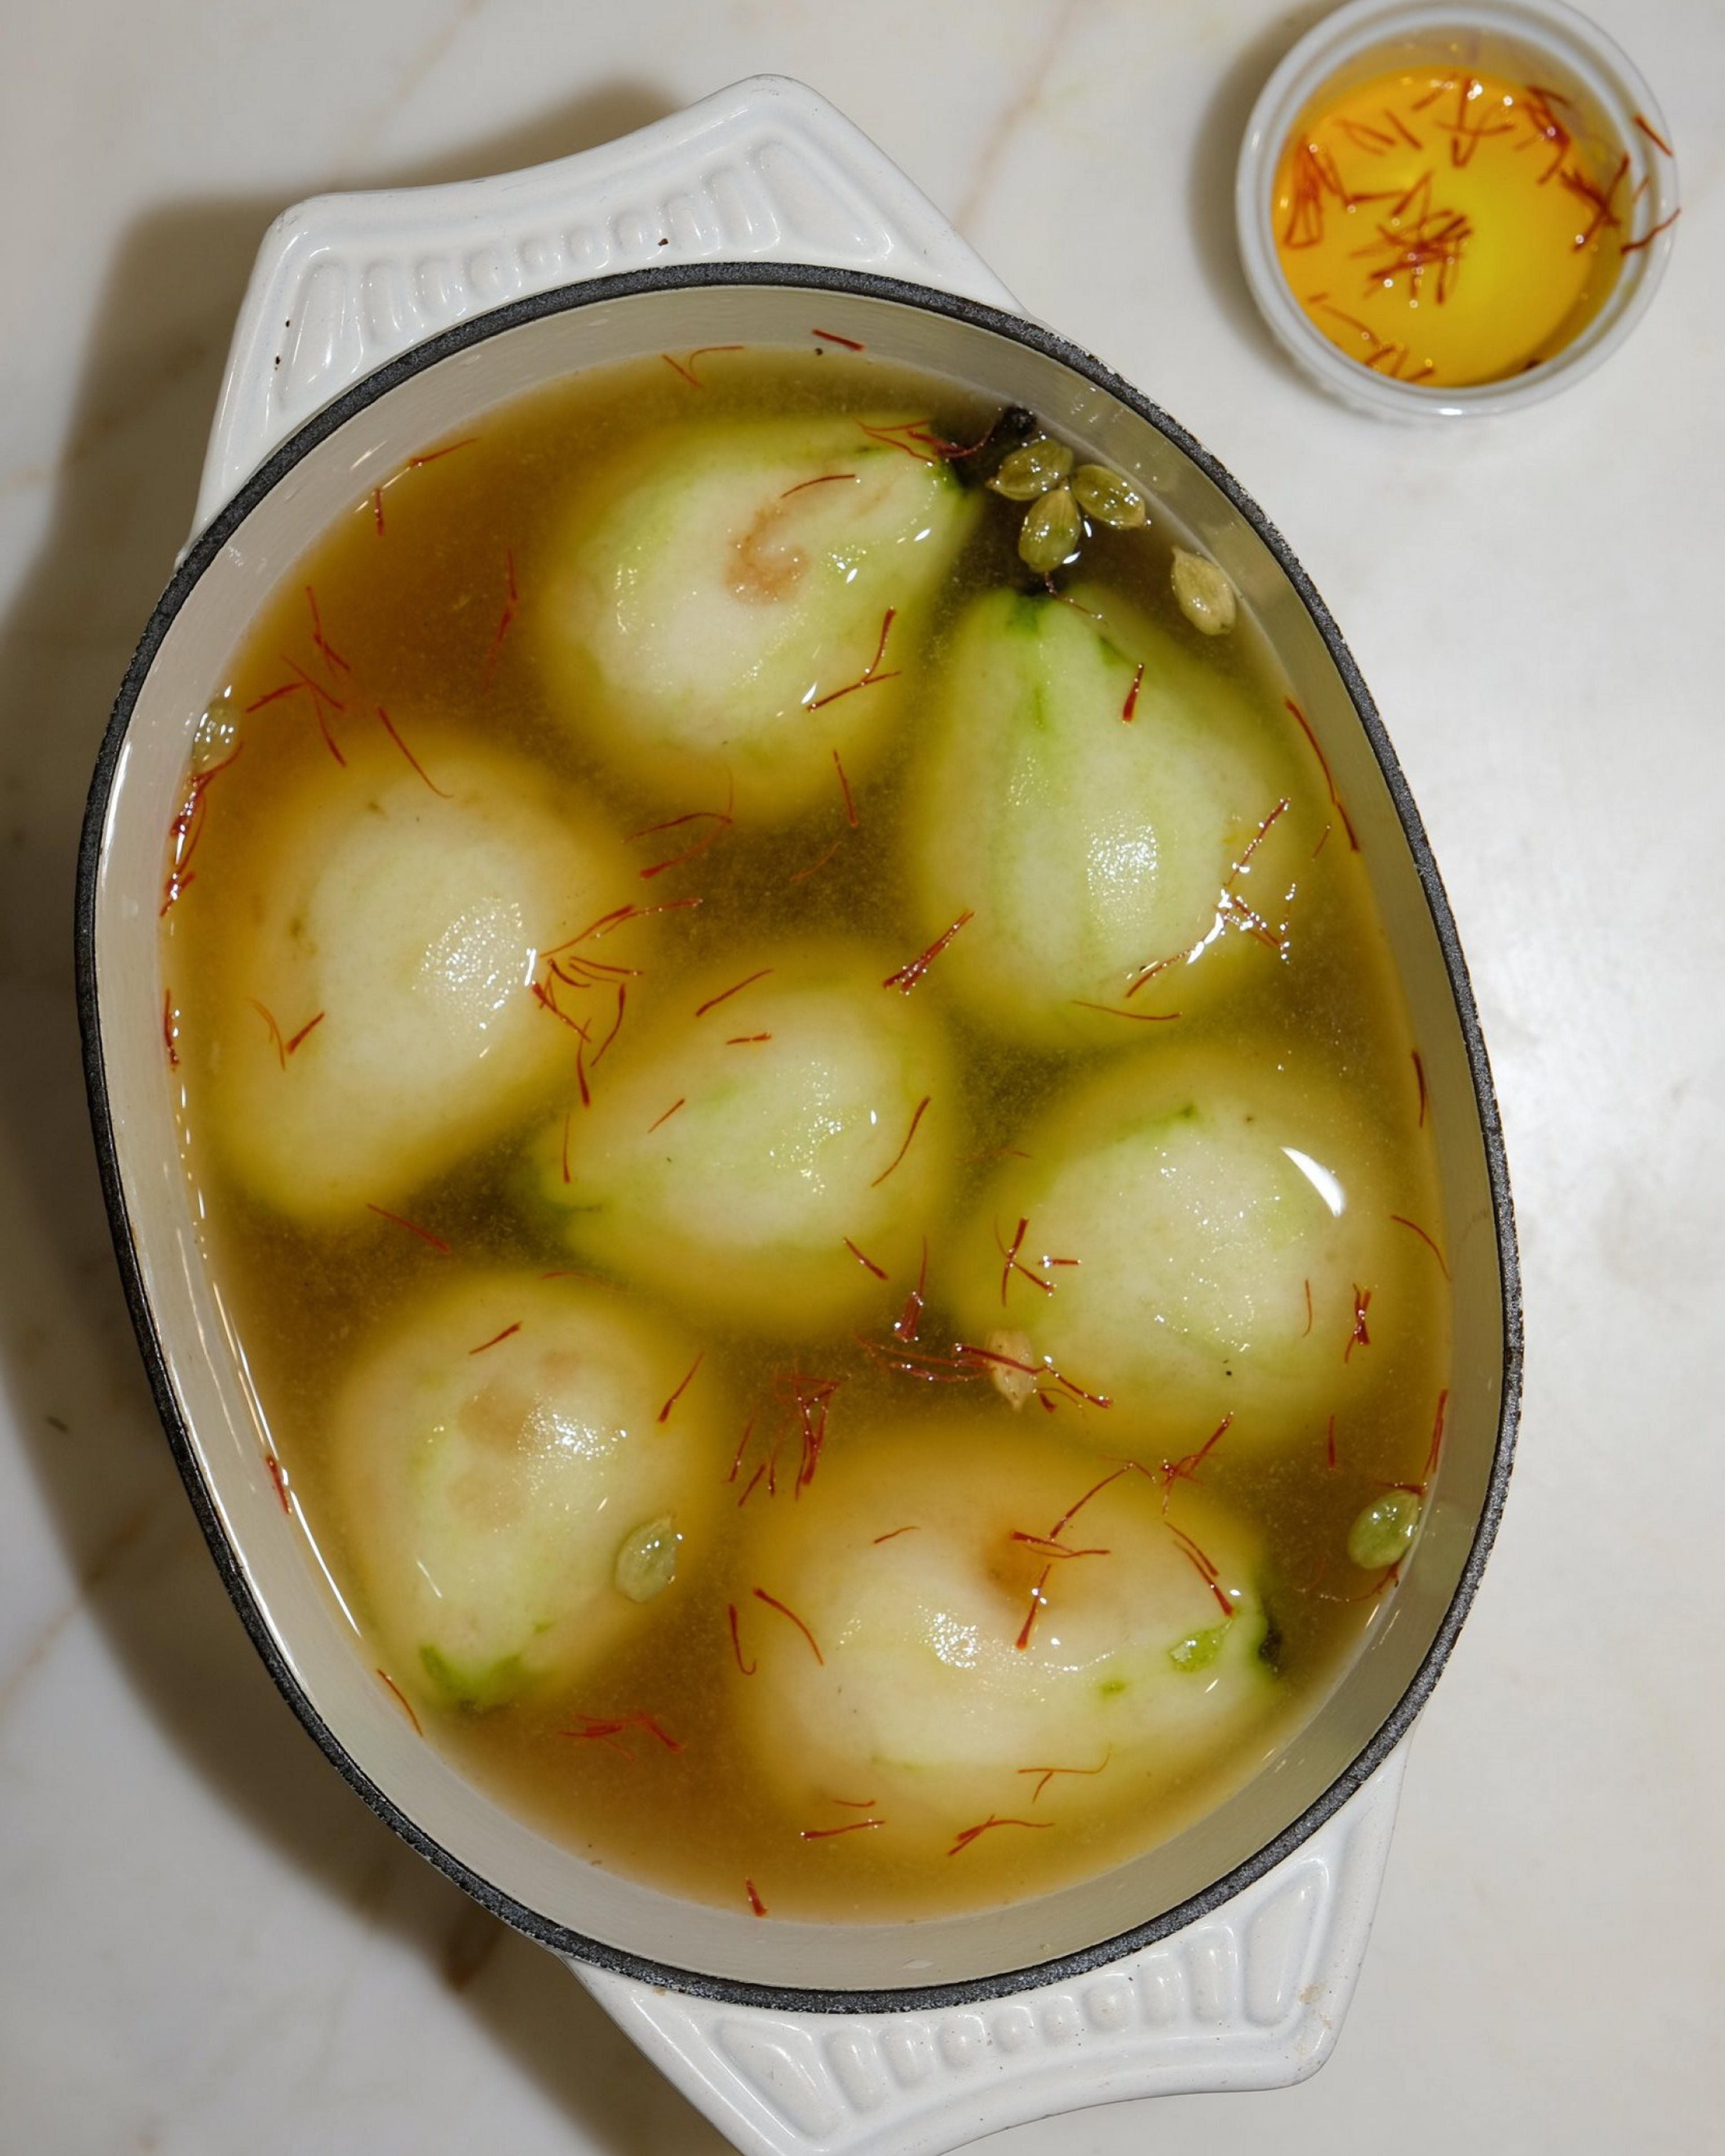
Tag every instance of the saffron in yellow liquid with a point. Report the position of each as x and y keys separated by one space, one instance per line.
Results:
x=1447 y=227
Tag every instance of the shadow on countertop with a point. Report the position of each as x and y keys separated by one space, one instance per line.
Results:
x=122 y=489
x=1209 y=197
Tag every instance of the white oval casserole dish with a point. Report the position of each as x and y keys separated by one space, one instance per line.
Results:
x=1223 y=1959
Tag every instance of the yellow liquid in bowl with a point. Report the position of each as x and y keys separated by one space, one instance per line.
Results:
x=1448 y=227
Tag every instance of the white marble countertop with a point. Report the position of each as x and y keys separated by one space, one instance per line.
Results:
x=206 y=1943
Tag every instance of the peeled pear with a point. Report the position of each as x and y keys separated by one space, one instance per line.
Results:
x=1094 y=794
x=1227 y=1229
x=768 y=1147
x=916 y=1560
x=713 y=620
x=512 y=1503
x=378 y=956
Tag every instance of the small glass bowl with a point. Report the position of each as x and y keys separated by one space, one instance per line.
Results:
x=1530 y=40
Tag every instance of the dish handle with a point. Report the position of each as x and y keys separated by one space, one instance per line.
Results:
x=766 y=171
x=1250 y=1997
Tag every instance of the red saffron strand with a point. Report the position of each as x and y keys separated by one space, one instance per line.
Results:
x=496 y=1338
x=832 y=336
x=1222 y=1602
x=910 y=437
x=1078 y=1393
x=407 y=1706
x=866 y=680
x=745 y=1039
x=569 y=1117
x=508 y=613
x=1647 y=239
x=1420 y=1078
x=1360 y=1336
x=933 y=1368
x=1047 y=1547
x=910 y=1318
x=319 y=641
x=1015 y=1264
x=676 y=823
x=671 y=1111
x=1323 y=765
x=965 y=1354
x=806 y=1399
x=845 y=783
x=599 y=1732
x=761 y=1595
x=274 y=1031
x=377 y=510
x=1600 y=201
x=616 y=1022
x=921 y=1110
x=432 y=456
x=1266 y=825
x=664 y=1412
x=687 y=371
x=814 y=868
x=426 y=1235
x=1037 y=1598
x=870 y=678
x=320 y=695
x=826 y=1833
x=826 y=479
x=1200 y=1564
x=1186 y=1469
x=1047 y=1773
x=893 y=1534
x=748 y=1669
x=1402 y=1221
x=311 y=1026
x=725 y=995
x=1305 y=1329
x=1095 y=1490
x=274 y=696
x=1364 y=136
x=606 y=1728
x=1146 y=975
x=721 y=822
x=866 y=1263
x=1131 y=704
x=906 y=977
x=1437 y=1435
x=1114 y=1010
x=278 y=1477
x=1652 y=134
x=756 y=1903
x=389 y=728
x=967 y=1835
x=170 y=1028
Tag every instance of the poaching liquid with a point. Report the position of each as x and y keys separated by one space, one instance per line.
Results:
x=748 y=1726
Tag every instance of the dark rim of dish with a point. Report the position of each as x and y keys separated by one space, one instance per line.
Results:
x=207 y=547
